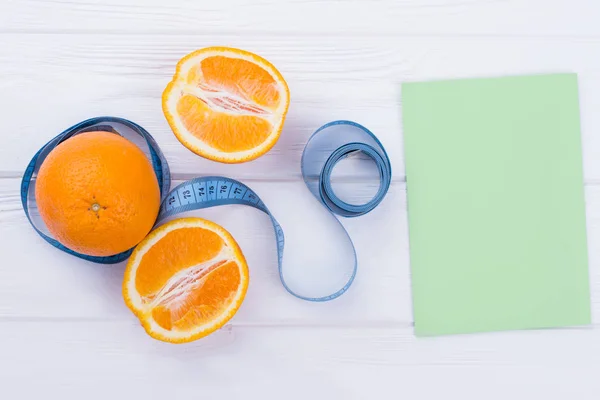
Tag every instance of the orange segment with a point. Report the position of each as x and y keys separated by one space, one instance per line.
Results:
x=179 y=249
x=245 y=131
x=226 y=104
x=185 y=280
x=243 y=78
x=207 y=301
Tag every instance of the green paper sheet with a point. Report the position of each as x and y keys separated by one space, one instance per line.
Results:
x=495 y=204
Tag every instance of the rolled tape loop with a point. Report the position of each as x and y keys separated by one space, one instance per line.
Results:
x=328 y=145
x=328 y=196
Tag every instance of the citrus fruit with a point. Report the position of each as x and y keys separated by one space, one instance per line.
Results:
x=97 y=193
x=185 y=280
x=226 y=104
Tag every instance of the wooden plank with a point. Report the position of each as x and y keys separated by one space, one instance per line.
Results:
x=99 y=360
x=413 y=17
x=62 y=79
x=37 y=280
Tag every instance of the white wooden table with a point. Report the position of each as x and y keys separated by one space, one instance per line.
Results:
x=65 y=332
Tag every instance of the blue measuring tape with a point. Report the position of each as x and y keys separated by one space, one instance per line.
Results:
x=108 y=124
x=327 y=146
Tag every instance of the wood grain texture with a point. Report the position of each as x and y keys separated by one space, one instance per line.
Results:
x=305 y=17
x=63 y=79
x=95 y=360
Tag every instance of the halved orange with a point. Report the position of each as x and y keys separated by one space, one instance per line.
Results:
x=185 y=280
x=226 y=104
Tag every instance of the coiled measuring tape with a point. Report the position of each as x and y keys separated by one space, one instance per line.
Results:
x=328 y=145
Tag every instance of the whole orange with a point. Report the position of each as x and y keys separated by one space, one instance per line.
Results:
x=97 y=193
